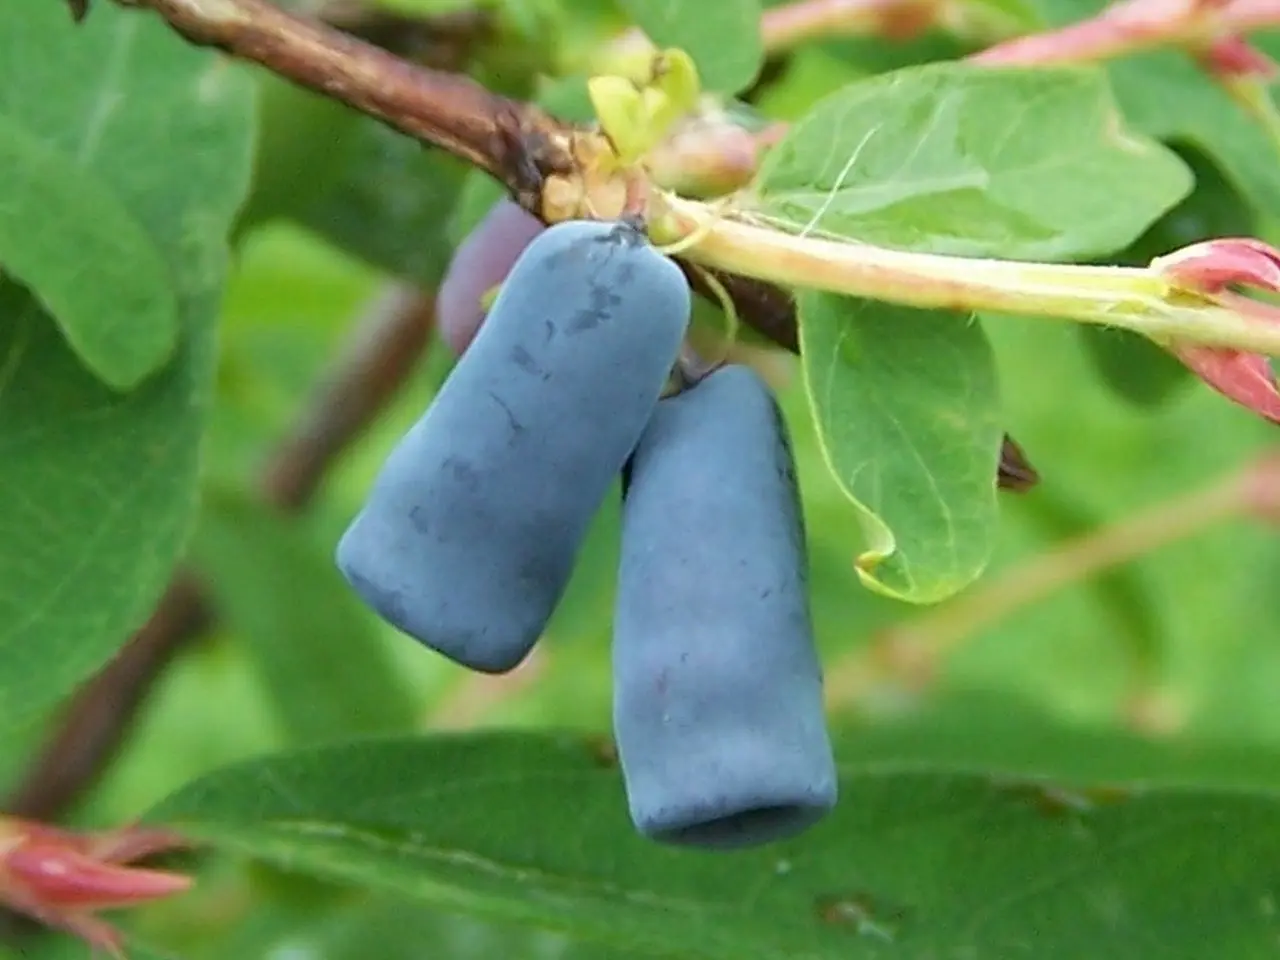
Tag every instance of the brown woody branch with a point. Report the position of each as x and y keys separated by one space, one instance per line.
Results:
x=386 y=348
x=516 y=143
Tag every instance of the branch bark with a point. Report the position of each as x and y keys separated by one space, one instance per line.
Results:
x=516 y=143
x=384 y=351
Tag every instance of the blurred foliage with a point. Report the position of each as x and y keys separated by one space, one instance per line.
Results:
x=340 y=209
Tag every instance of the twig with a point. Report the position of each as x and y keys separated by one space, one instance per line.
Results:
x=1122 y=29
x=1133 y=26
x=910 y=655
x=514 y=142
x=385 y=349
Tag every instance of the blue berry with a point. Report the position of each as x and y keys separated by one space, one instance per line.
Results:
x=470 y=533
x=718 y=709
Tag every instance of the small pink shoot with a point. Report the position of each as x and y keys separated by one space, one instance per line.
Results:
x=62 y=878
x=1211 y=268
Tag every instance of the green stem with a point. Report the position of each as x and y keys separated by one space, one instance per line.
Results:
x=1134 y=298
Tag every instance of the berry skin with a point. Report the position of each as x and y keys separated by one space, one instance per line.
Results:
x=471 y=530
x=718 y=710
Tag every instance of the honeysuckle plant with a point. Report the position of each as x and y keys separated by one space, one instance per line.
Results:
x=869 y=186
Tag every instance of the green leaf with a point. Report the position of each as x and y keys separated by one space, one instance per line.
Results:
x=98 y=489
x=567 y=99
x=62 y=946
x=1131 y=365
x=812 y=72
x=1007 y=735
x=1127 y=604
x=912 y=863
x=907 y=410
x=304 y=146
x=961 y=159
x=1135 y=368
x=391 y=205
x=324 y=664
x=1166 y=95
x=67 y=237
x=723 y=37
x=401 y=927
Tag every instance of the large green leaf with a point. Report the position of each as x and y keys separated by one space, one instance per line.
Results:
x=77 y=247
x=1167 y=95
x=322 y=661
x=372 y=192
x=960 y=159
x=401 y=927
x=390 y=203
x=908 y=415
x=1132 y=365
x=1007 y=735
x=304 y=145
x=99 y=489
x=913 y=863
x=723 y=37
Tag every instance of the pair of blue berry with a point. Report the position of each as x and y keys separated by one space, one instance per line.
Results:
x=470 y=534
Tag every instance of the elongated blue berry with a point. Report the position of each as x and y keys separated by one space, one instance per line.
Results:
x=718 y=709
x=471 y=530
